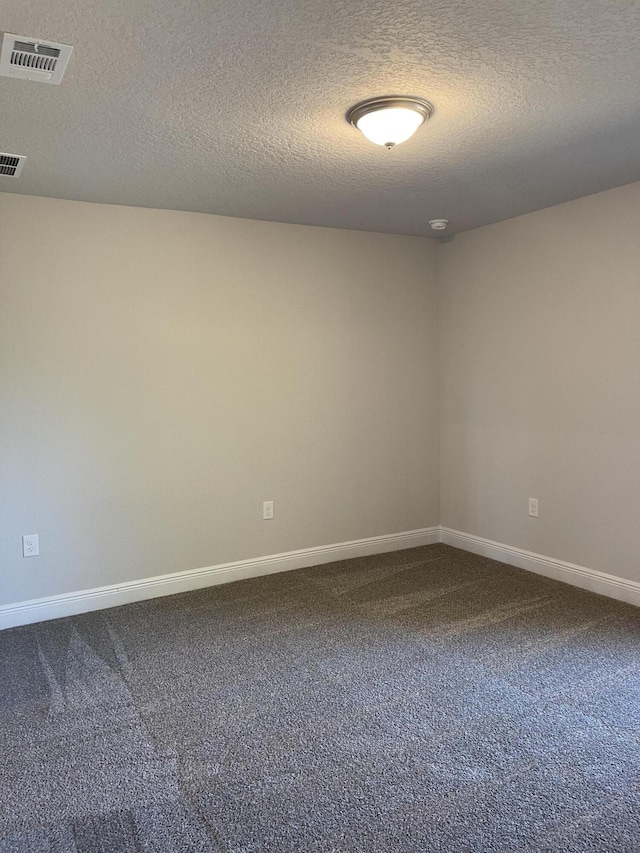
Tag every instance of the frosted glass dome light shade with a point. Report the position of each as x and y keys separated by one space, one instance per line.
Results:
x=390 y=126
x=389 y=121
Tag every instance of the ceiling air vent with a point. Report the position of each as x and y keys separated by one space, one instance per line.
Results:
x=33 y=59
x=11 y=165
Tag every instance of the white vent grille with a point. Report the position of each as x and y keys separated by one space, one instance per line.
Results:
x=11 y=165
x=33 y=59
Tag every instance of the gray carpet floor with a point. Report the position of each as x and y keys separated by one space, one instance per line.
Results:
x=426 y=700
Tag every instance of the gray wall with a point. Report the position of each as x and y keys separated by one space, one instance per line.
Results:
x=540 y=354
x=163 y=373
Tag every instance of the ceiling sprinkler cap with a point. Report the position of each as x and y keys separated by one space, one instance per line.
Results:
x=438 y=224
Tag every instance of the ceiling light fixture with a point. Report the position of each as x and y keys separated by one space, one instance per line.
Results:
x=438 y=224
x=390 y=120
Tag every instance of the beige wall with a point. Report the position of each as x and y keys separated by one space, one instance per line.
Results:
x=540 y=354
x=163 y=373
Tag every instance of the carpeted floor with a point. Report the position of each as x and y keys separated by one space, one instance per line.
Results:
x=427 y=700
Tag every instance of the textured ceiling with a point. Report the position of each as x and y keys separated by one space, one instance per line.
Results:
x=237 y=107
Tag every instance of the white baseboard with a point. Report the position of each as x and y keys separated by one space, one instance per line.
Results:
x=72 y=603
x=600 y=582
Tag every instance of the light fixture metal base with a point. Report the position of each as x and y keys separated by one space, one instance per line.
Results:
x=389 y=102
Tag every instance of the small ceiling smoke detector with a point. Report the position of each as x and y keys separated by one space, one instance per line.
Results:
x=33 y=59
x=390 y=120
x=11 y=165
x=438 y=224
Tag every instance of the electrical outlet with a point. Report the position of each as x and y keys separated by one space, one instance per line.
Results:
x=30 y=546
x=533 y=507
x=267 y=510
